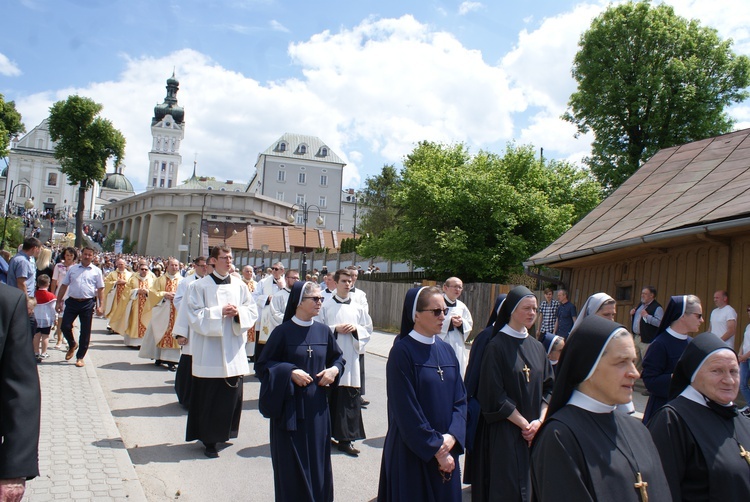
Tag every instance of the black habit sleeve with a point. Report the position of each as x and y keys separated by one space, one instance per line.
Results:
x=20 y=397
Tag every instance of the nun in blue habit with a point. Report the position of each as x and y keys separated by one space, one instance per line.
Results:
x=300 y=360
x=683 y=316
x=426 y=407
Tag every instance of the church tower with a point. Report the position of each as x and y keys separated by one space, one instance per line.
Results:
x=167 y=131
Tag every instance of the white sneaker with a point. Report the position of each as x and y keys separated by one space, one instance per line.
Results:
x=45 y=356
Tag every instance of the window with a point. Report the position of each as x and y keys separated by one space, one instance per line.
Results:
x=153 y=183
x=163 y=166
x=302 y=149
x=300 y=219
x=300 y=198
x=282 y=147
x=222 y=189
x=49 y=199
x=624 y=291
x=324 y=152
x=324 y=180
x=280 y=196
x=282 y=176
x=52 y=179
x=302 y=179
x=169 y=184
x=322 y=201
x=161 y=183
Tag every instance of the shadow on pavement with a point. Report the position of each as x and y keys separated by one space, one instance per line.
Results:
x=164 y=453
x=375 y=442
x=165 y=410
x=262 y=450
x=146 y=390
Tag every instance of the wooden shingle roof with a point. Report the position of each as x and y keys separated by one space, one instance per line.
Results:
x=690 y=185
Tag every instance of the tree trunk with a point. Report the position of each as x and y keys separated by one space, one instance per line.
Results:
x=79 y=215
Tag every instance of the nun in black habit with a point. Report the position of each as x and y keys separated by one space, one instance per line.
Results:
x=426 y=407
x=300 y=360
x=585 y=451
x=702 y=440
x=514 y=387
x=471 y=381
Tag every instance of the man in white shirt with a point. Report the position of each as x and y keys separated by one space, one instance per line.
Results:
x=723 y=318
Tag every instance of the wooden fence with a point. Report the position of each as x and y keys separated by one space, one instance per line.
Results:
x=386 y=300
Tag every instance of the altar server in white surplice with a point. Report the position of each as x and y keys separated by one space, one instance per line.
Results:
x=352 y=327
x=267 y=287
x=220 y=311
x=458 y=323
x=279 y=299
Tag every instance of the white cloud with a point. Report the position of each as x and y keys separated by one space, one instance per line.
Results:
x=7 y=67
x=277 y=26
x=468 y=6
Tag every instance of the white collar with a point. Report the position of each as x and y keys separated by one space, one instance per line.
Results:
x=299 y=322
x=171 y=277
x=427 y=340
x=588 y=403
x=677 y=335
x=512 y=332
x=219 y=276
x=692 y=394
x=335 y=295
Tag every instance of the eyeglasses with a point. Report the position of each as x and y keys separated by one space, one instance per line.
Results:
x=316 y=299
x=456 y=286
x=143 y=269
x=435 y=312
x=276 y=269
x=696 y=314
x=225 y=258
x=292 y=278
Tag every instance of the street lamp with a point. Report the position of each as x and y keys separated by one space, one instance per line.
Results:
x=28 y=204
x=264 y=249
x=190 y=242
x=203 y=208
x=305 y=210
x=234 y=231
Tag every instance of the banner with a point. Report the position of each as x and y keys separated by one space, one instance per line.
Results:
x=118 y=246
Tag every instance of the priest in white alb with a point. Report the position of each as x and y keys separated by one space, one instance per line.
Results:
x=458 y=323
x=159 y=343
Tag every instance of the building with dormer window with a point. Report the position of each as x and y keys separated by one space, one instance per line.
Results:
x=301 y=169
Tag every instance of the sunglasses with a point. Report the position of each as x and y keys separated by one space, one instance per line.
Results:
x=435 y=312
x=144 y=269
x=316 y=299
x=276 y=269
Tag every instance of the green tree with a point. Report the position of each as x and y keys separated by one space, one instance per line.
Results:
x=85 y=143
x=649 y=79
x=108 y=244
x=379 y=212
x=10 y=124
x=480 y=216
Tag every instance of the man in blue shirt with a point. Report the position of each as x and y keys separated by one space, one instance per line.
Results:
x=21 y=269
x=566 y=314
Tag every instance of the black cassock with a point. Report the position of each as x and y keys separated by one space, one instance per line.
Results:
x=701 y=452
x=426 y=399
x=300 y=423
x=501 y=463
x=581 y=456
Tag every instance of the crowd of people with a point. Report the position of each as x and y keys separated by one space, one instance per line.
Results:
x=539 y=402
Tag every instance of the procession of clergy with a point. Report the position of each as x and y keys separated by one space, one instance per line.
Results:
x=537 y=419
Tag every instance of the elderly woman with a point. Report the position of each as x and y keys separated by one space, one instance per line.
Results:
x=514 y=387
x=426 y=407
x=585 y=451
x=299 y=362
x=683 y=316
x=600 y=304
x=702 y=440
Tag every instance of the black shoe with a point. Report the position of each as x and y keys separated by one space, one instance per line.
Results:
x=171 y=367
x=211 y=450
x=363 y=402
x=348 y=448
x=158 y=362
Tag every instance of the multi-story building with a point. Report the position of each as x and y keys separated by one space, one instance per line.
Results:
x=167 y=132
x=300 y=169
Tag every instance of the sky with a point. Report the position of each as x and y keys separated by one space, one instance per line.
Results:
x=371 y=78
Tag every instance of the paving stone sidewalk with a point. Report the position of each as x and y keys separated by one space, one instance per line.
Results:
x=81 y=453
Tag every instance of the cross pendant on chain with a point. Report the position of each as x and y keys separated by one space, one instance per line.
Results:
x=527 y=371
x=641 y=485
x=440 y=372
x=309 y=352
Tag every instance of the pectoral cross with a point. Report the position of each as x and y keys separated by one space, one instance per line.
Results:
x=745 y=454
x=440 y=372
x=309 y=352
x=527 y=371
x=641 y=485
